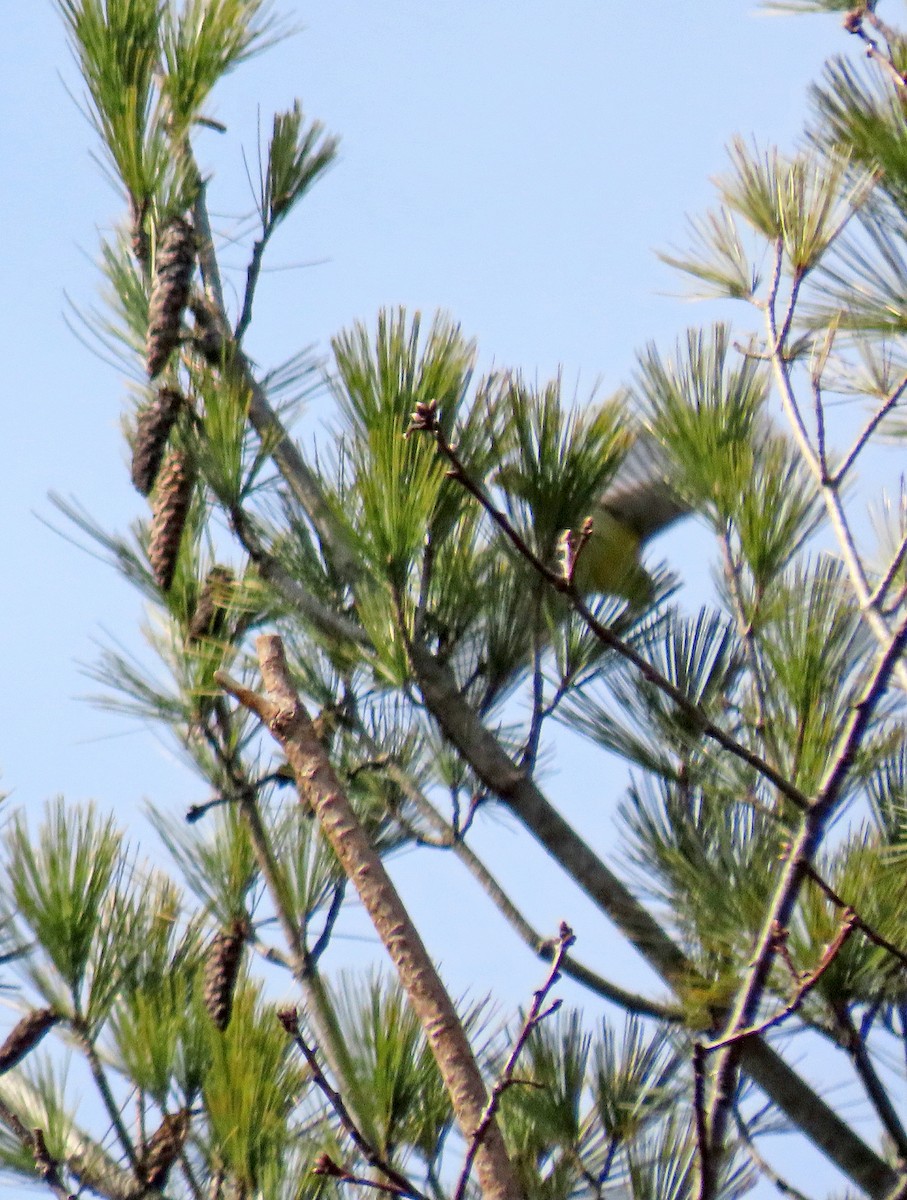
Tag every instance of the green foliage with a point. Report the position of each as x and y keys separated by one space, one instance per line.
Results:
x=555 y=461
x=707 y=413
x=116 y=45
x=798 y=202
x=67 y=886
x=297 y=158
x=397 y=1077
x=249 y=1093
x=200 y=43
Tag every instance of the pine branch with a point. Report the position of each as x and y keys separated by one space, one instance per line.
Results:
x=285 y=717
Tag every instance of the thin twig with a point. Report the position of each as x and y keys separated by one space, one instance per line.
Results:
x=325 y=1165
x=764 y=1167
x=252 y=274
x=536 y=1014
x=289 y=1019
x=807 y=983
x=856 y=1047
x=330 y=920
x=97 y=1073
x=866 y=433
x=745 y=630
x=878 y=597
x=868 y=931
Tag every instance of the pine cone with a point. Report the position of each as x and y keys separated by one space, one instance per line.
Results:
x=169 y=292
x=221 y=971
x=154 y=425
x=208 y=617
x=172 y=498
x=139 y=235
x=25 y=1035
x=164 y=1148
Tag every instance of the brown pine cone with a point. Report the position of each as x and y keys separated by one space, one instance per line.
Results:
x=152 y=431
x=172 y=498
x=221 y=972
x=164 y=1147
x=173 y=267
x=208 y=617
x=25 y=1035
x=138 y=238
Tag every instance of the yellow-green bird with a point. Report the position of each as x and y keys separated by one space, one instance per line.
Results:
x=638 y=504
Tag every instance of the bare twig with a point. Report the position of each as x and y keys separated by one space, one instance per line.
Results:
x=866 y=433
x=536 y=1014
x=96 y=1069
x=854 y=25
x=330 y=920
x=761 y=1164
x=879 y=595
x=806 y=984
x=868 y=931
x=402 y=1186
x=252 y=273
x=325 y=1165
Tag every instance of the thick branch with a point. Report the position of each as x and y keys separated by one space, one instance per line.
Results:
x=318 y=785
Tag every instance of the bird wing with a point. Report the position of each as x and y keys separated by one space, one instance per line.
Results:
x=641 y=494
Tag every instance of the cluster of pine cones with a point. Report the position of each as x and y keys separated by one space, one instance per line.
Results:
x=170 y=476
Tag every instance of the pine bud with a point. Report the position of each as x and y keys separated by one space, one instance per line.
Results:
x=173 y=266
x=172 y=498
x=164 y=1147
x=155 y=422
x=221 y=972
x=25 y=1035
x=208 y=617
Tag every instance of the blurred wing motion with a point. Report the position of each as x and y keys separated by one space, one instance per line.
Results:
x=641 y=496
x=638 y=504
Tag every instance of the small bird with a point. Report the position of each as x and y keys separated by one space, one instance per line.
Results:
x=638 y=504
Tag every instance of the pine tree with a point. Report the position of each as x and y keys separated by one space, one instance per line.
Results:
x=400 y=626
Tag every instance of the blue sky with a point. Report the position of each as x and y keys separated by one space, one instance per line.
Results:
x=515 y=164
